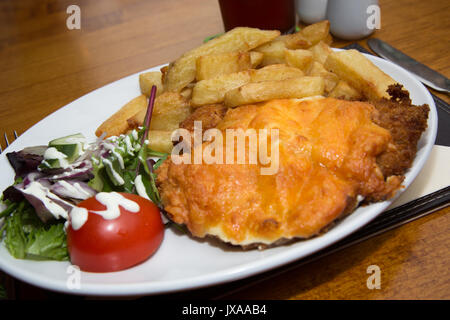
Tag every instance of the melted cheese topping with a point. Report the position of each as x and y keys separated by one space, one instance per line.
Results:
x=327 y=152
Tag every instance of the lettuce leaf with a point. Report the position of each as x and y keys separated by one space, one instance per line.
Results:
x=47 y=244
x=27 y=237
x=134 y=156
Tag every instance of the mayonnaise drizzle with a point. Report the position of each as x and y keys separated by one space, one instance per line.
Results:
x=111 y=200
x=53 y=153
x=130 y=148
x=114 y=152
x=117 y=176
x=72 y=172
x=140 y=188
x=78 y=216
x=44 y=194
x=76 y=190
x=81 y=142
x=134 y=134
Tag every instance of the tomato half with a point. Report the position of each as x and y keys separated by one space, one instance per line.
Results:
x=103 y=245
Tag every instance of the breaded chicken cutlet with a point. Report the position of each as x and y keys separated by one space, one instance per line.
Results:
x=405 y=122
x=209 y=115
x=332 y=154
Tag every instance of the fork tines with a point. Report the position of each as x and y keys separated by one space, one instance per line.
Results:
x=5 y=136
x=6 y=139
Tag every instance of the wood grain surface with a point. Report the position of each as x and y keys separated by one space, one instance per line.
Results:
x=44 y=66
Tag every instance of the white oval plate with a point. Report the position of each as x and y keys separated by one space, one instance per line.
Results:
x=181 y=262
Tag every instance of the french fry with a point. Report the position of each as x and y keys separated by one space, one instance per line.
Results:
x=147 y=80
x=316 y=32
x=294 y=41
x=275 y=72
x=169 y=110
x=344 y=91
x=213 y=65
x=164 y=73
x=183 y=71
x=305 y=38
x=117 y=124
x=320 y=51
x=308 y=36
x=186 y=93
x=256 y=58
x=360 y=73
x=328 y=40
x=160 y=140
x=273 y=52
x=299 y=58
x=330 y=78
x=281 y=89
x=213 y=90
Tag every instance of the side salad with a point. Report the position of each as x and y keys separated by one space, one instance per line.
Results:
x=51 y=180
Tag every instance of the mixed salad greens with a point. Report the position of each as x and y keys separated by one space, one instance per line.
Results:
x=50 y=180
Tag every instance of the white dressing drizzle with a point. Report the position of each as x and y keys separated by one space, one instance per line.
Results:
x=78 y=216
x=68 y=173
x=130 y=148
x=134 y=134
x=140 y=188
x=42 y=193
x=111 y=147
x=117 y=176
x=111 y=200
x=81 y=142
x=53 y=153
x=76 y=190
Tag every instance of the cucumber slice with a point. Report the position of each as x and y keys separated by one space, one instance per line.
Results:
x=50 y=164
x=72 y=146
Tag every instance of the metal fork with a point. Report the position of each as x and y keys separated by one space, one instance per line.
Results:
x=5 y=136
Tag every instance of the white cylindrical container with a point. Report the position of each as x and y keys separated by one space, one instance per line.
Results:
x=353 y=19
x=311 y=11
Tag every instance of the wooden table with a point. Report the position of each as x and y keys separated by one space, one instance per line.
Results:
x=44 y=66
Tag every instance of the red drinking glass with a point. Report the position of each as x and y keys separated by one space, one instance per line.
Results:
x=262 y=14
